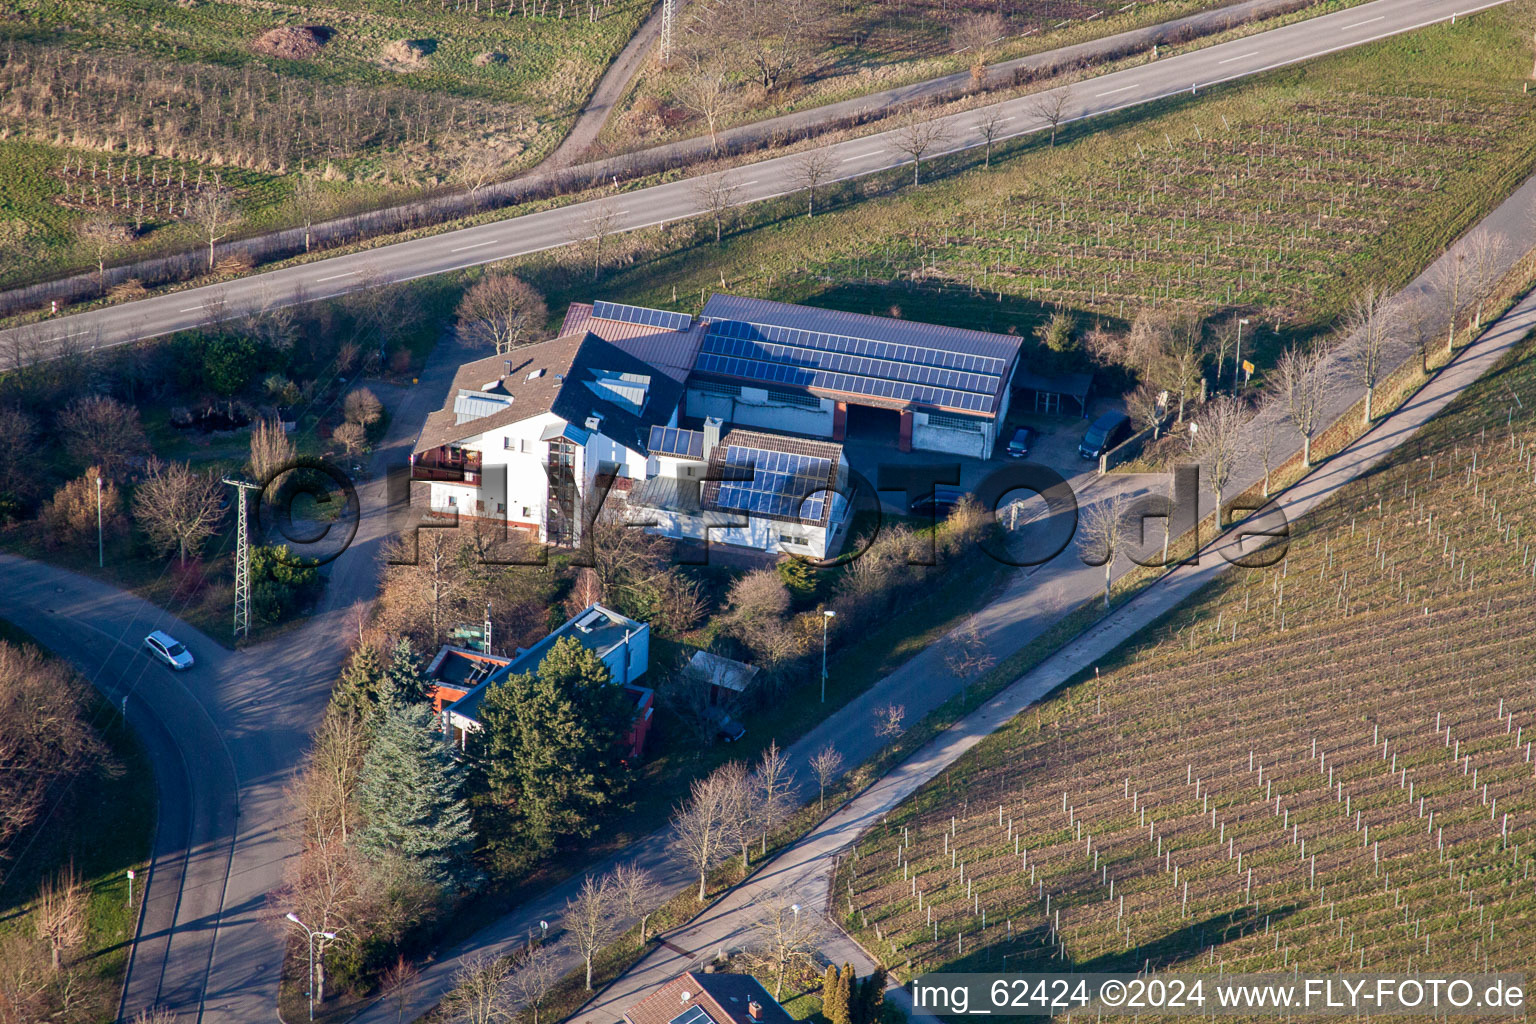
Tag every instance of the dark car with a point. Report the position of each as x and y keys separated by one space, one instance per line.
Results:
x=726 y=728
x=1106 y=432
x=939 y=503
x=1023 y=440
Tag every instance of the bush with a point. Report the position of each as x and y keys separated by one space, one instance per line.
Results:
x=70 y=517
x=281 y=583
x=229 y=363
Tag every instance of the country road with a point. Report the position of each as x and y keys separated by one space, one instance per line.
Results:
x=755 y=182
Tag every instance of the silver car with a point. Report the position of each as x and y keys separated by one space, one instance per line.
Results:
x=168 y=649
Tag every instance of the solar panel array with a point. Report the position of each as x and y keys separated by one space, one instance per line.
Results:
x=643 y=315
x=676 y=441
x=693 y=1015
x=859 y=366
x=773 y=483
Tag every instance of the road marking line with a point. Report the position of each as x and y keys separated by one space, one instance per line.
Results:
x=861 y=156
x=1244 y=56
x=746 y=183
x=1113 y=91
x=1367 y=21
x=333 y=277
x=189 y=309
x=476 y=245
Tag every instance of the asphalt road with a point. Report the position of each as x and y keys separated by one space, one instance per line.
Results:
x=518 y=236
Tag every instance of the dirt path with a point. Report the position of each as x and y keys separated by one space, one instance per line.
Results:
x=610 y=89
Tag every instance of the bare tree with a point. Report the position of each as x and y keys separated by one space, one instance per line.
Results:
x=1147 y=405
x=101 y=236
x=18 y=444
x=716 y=193
x=773 y=783
x=1368 y=325
x=635 y=893
x=976 y=34
x=990 y=126
x=395 y=984
x=60 y=917
x=101 y=431
x=1106 y=527
x=1265 y=431
x=1448 y=278
x=479 y=994
x=177 y=508
x=478 y=167
x=703 y=828
x=271 y=451
x=1051 y=108
x=1299 y=382
x=706 y=90
x=1181 y=367
x=1221 y=443
x=889 y=718
x=826 y=763
x=351 y=436
x=504 y=311
x=774 y=42
x=212 y=211
x=601 y=220
x=309 y=201
x=966 y=652
x=810 y=171
x=784 y=935
x=1486 y=257
x=919 y=136
x=535 y=978
x=362 y=406
x=590 y=920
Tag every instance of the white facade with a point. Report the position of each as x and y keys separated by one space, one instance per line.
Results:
x=804 y=416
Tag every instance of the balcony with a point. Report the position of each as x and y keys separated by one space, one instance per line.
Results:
x=454 y=465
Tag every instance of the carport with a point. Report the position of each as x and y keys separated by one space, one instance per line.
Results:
x=1051 y=395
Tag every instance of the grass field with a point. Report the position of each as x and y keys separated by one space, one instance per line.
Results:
x=168 y=92
x=1327 y=767
x=102 y=826
x=1277 y=197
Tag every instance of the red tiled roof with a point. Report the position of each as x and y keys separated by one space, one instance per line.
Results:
x=725 y=998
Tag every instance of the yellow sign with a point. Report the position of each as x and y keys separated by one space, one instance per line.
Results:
x=1247 y=367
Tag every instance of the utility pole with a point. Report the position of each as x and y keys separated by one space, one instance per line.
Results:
x=668 y=15
x=101 y=551
x=242 y=559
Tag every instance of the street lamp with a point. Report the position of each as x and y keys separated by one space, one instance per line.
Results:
x=101 y=558
x=827 y=616
x=1194 y=428
x=796 y=908
x=1237 y=360
x=310 y=940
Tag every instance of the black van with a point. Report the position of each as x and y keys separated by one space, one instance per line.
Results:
x=1107 y=431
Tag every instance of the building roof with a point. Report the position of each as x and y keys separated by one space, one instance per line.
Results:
x=699 y=998
x=721 y=671
x=463 y=669
x=666 y=341
x=769 y=476
x=577 y=377
x=1075 y=385
x=868 y=360
x=599 y=629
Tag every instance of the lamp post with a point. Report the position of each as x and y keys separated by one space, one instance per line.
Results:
x=309 y=936
x=101 y=557
x=1237 y=359
x=827 y=616
x=796 y=908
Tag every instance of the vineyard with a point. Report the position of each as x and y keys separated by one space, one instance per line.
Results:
x=1280 y=197
x=1323 y=764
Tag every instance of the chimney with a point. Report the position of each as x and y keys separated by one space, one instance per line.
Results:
x=755 y=1010
x=711 y=435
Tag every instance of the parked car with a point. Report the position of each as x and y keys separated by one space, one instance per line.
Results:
x=168 y=649
x=1105 y=432
x=939 y=503
x=726 y=728
x=1023 y=440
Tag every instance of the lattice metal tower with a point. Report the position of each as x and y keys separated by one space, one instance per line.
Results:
x=668 y=15
x=242 y=558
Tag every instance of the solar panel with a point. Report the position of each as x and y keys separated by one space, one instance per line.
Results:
x=693 y=1015
x=642 y=315
x=781 y=483
x=676 y=441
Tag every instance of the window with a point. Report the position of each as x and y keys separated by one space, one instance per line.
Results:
x=500 y=508
x=506 y=443
x=523 y=446
x=709 y=387
x=527 y=511
x=794 y=398
x=453 y=501
x=939 y=419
